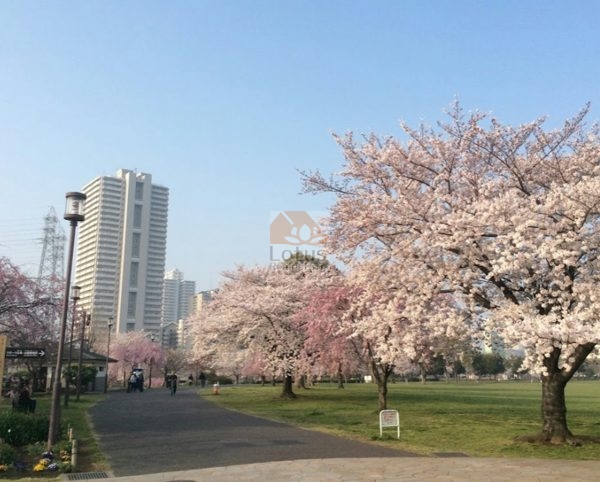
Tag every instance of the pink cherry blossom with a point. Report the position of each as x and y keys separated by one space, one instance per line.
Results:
x=475 y=224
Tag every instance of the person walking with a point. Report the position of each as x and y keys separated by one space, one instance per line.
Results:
x=14 y=398
x=173 y=384
x=132 y=384
x=25 y=399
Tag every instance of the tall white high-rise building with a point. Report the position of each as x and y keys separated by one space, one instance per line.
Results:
x=186 y=298
x=178 y=296
x=121 y=252
x=171 y=290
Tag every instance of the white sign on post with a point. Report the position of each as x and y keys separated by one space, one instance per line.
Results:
x=389 y=418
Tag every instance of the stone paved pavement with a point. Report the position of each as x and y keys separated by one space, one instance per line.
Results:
x=400 y=469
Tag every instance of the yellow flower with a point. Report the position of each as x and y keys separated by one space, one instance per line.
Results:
x=39 y=467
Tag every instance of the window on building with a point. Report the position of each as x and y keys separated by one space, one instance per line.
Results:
x=137 y=216
x=133 y=275
x=131 y=304
x=139 y=191
x=135 y=245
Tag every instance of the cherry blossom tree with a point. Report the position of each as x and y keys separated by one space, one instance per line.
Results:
x=198 y=357
x=233 y=363
x=399 y=327
x=204 y=334
x=175 y=360
x=254 y=312
x=328 y=343
x=29 y=308
x=505 y=219
x=135 y=349
x=255 y=368
x=311 y=357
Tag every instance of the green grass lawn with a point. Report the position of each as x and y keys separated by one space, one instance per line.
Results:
x=478 y=419
x=91 y=459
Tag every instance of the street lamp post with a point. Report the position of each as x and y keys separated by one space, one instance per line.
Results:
x=74 y=212
x=85 y=321
x=110 y=324
x=75 y=297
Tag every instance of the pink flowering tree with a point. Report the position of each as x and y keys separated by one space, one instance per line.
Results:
x=174 y=361
x=29 y=308
x=135 y=349
x=398 y=327
x=205 y=335
x=216 y=349
x=253 y=312
x=504 y=219
x=328 y=344
x=255 y=368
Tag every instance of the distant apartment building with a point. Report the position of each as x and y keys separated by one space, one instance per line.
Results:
x=178 y=296
x=121 y=252
x=201 y=299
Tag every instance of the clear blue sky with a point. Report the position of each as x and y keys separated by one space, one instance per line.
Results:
x=222 y=101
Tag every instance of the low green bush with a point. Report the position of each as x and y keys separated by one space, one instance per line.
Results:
x=8 y=455
x=20 y=429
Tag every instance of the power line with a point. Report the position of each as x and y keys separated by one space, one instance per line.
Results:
x=22 y=241
x=53 y=248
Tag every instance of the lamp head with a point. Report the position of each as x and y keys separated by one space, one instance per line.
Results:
x=74 y=208
x=75 y=290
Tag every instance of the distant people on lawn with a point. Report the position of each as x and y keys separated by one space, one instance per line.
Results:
x=21 y=400
x=14 y=397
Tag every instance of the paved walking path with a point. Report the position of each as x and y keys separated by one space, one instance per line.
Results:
x=152 y=437
x=425 y=469
x=151 y=432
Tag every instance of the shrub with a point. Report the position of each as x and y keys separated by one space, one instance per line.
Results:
x=8 y=455
x=88 y=374
x=19 y=429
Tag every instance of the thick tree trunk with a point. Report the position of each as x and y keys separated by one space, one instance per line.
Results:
x=382 y=390
x=287 y=390
x=554 y=409
x=340 y=375
x=381 y=374
x=300 y=381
